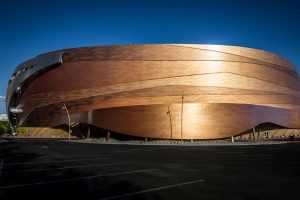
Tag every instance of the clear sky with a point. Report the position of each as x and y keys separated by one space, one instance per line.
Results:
x=31 y=27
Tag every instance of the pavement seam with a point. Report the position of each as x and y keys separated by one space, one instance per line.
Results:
x=24 y=163
x=75 y=179
x=152 y=189
x=69 y=167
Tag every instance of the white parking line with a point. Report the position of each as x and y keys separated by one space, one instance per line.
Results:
x=45 y=147
x=141 y=150
x=228 y=152
x=256 y=155
x=124 y=151
x=133 y=150
x=25 y=163
x=70 y=167
x=152 y=189
x=62 y=156
x=137 y=150
x=76 y=179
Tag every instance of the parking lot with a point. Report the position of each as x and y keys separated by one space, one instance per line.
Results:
x=53 y=169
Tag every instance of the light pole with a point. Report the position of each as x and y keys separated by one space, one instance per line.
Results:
x=69 y=121
x=181 y=116
x=169 y=112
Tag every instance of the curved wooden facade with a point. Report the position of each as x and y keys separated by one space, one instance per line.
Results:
x=165 y=91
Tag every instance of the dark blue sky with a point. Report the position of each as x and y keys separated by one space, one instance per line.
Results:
x=31 y=27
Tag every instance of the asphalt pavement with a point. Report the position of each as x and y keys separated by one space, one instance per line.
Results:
x=53 y=169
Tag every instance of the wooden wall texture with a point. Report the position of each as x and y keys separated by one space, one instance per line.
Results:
x=138 y=89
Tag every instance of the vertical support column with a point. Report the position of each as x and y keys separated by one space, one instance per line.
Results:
x=90 y=118
x=108 y=136
x=69 y=120
x=253 y=133
x=89 y=131
x=11 y=127
x=232 y=139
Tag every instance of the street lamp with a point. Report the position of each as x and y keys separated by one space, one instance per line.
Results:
x=169 y=113
x=181 y=117
x=69 y=121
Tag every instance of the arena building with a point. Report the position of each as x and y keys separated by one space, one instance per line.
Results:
x=168 y=91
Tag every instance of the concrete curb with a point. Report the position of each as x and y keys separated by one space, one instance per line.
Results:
x=177 y=144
